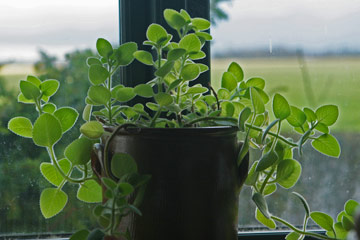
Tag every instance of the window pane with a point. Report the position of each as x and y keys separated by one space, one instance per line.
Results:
x=35 y=36
x=309 y=51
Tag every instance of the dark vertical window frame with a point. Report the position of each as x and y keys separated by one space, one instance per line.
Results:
x=134 y=18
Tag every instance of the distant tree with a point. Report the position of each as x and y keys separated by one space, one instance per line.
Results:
x=216 y=12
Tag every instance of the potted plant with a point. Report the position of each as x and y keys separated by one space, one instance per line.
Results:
x=172 y=168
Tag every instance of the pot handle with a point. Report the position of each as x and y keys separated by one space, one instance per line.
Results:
x=243 y=168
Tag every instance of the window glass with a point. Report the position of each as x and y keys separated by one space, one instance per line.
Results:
x=50 y=39
x=309 y=51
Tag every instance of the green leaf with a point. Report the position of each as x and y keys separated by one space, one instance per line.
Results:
x=223 y=94
x=327 y=114
x=163 y=99
x=260 y=202
x=304 y=202
x=268 y=128
x=125 y=188
x=237 y=71
x=256 y=82
x=47 y=130
x=92 y=129
x=79 y=151
x=34 y=80
x=252 y=175
x=49 y=108
x=310 y=115
x=144 y=57
x=87 y=113
x=351 y=206
x=123 y=164
x=227 y=109
x=80 y=235
x=29 y=90
x=99 y=94
x=144 y=90
x=190 y=72
x=297 y=117
x=156 y=33
x=268 y=222
x=269 y=189
x=323 y=220
x=257 y=101
x=347 y=223
x=165 y=69
x=93 y=61
x=327 y=144
x=90 y=192
x=341 y=233
x=175 y=54
x=104 y=48
x=52 y=201
x=243 y=117
x=125 y=94
x=174 y=19
x=22 y=99
x=98 y=74
x=203 y=67
x=293 y=236
x=266 y=160
x=200 y=24
x=228 y=81
x=109 y=183
x=288 y=173
x=125 y=53
x=322 y=127
x=50 y=172
x=67 y=117
x=281 y=107
x=97 y=234
x=21 y=126
x=197 y=90
x=191 y=43
x=49 y=87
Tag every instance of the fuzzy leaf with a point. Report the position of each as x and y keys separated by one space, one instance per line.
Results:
x=163 y=99
x=67 y=117
x=122 y=164
x=144 y=56
x=80 y=235
x=281 y=107
x=174 y=19
x=34 y=80
x=261 y=204
x=323 y=220
x=297 y=117
x=125 y=94
x=175 y=54
x=99 y=94
x=90 y=192
x=92 y=129
x=351 y=206
x=47 y=130
x=264 y=220
x=165 y=69
x=49 y=108
x=29 y=90
x=144 y=90
x=327 y=144
x=228 y=81
x=49 y=171
x=235 y=69
x=125 y=53
x=256 y=82
x=21 y=126
x=52 y=201
x=98 y=74
x=327 y=114
x=266 y=161
x=79 y=151
x=200 y=24
x=191 y=43
x=257 y=101
x=49 y=87
x=103 y=47
x=310 y=115
x=190 y=72
x=288 y=173
x=156 y=33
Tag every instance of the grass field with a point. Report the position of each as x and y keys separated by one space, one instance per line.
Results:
x=333 y=80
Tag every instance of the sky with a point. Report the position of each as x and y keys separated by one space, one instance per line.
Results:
x=59 y=26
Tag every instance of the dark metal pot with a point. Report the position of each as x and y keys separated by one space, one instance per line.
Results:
x=195 y=184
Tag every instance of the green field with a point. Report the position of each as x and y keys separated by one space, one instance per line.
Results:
x=333 y=80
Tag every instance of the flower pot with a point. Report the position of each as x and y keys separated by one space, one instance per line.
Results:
x=195 y=182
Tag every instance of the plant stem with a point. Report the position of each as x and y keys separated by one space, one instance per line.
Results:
x=157 y=114
x=58 y=168
x=267 y=179
x=300 y=231
x=110 y=103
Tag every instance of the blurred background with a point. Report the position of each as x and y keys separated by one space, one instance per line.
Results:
x=307 y=50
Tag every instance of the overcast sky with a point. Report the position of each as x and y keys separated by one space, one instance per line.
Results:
x=59 y=26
